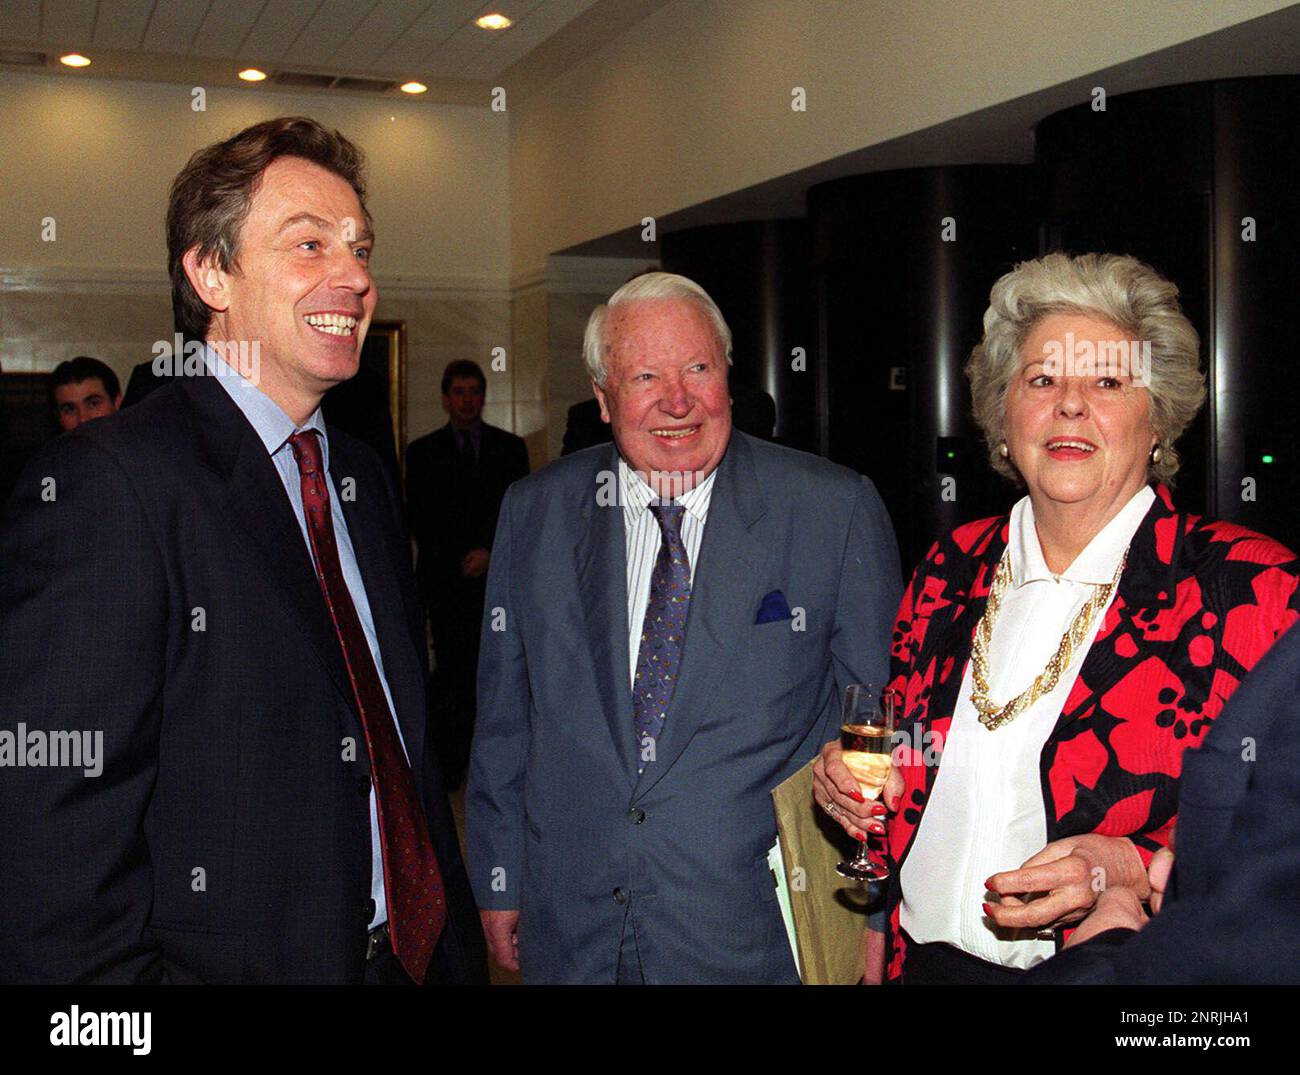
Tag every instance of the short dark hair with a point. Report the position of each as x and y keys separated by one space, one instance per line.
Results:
x=211 y=195
x=83 y=368
x=462 y=367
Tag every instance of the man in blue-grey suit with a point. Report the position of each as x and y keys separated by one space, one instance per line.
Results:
x=670 y=623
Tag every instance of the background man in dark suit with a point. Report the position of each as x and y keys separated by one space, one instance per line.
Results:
x=1229 y=909
x=217 y=585
x=456 y=478
x=678 y=614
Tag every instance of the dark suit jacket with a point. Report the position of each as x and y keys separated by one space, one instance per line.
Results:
x=164 y=595
x=453 y=507
x=358 y=406
x=558 y=823
x=1233 y=911
x=583 y=428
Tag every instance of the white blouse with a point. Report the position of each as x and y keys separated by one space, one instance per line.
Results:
x=986 y=813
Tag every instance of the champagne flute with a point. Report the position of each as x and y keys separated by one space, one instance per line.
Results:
x=867 y=739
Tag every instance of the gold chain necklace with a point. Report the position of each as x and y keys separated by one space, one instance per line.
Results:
x=993 y=717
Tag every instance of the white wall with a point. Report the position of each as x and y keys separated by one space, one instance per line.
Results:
x=98 y=156
x=694 y=101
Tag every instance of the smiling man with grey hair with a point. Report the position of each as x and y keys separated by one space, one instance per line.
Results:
x=670 y=624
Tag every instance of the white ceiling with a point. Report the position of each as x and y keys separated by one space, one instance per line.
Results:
x=384 y=39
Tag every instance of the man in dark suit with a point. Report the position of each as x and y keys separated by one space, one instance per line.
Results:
x=456 y=478
x=1229 y=910
x=671 y=621
x=213 y=589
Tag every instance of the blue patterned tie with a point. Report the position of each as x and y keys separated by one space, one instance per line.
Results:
x=663 y=636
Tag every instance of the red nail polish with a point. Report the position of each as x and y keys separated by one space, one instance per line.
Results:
x=878 y=809
x=985 y=906
x=861 y=837
x=857 y=796
x=988 y=883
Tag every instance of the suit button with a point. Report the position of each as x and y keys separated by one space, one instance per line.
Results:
x=636 y=815
x=620 y=897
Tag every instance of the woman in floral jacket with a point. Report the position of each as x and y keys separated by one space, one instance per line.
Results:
x=1054 y=664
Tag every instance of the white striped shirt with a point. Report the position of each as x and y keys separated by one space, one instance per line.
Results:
x=644 y=538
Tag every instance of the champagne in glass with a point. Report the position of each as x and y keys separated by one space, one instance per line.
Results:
x=866 y=755
x=866 y=739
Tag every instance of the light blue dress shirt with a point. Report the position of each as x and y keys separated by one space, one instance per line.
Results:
x=274 y=427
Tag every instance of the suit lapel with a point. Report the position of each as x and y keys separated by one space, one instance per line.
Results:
x=383 y=593
x=600 y=559
x=254 y=499
x=724 y=600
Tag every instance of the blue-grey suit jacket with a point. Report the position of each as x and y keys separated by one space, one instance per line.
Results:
x=559 y=825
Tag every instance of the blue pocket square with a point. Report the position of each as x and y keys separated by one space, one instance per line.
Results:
x=774 y=607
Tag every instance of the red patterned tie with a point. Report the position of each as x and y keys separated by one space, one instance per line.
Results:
x=412 y=880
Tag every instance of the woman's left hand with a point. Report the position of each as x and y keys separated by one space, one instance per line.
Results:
x=1072 y=873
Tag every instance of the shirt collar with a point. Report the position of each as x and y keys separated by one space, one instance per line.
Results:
x=272 y=426
x=636 y=494
x=1098 y=561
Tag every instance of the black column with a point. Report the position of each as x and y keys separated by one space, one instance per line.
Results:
x=903 y=263
x=757 y=273
x=1171 y=176
x=1254 y=473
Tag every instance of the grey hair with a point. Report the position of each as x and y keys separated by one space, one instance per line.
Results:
x=1117 y=288
x=646 y=287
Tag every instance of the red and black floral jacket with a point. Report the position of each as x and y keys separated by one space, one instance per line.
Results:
x=1197 y=606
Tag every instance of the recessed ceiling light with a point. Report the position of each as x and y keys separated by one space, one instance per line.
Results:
x=252 y=74
x=74 y=59
x=413 y=87
x=494 y=21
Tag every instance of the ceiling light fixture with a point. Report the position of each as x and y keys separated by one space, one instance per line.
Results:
x=413 y=87
x=74 y=59
x=495 y=21
x=252 y=74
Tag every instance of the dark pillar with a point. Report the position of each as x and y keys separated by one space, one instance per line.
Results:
x=757 y=273
x=903 y=263
x=1171 y=176
x=1254 y=471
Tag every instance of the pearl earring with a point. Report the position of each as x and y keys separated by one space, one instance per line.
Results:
x=1157 y=453
x=1004 y=451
